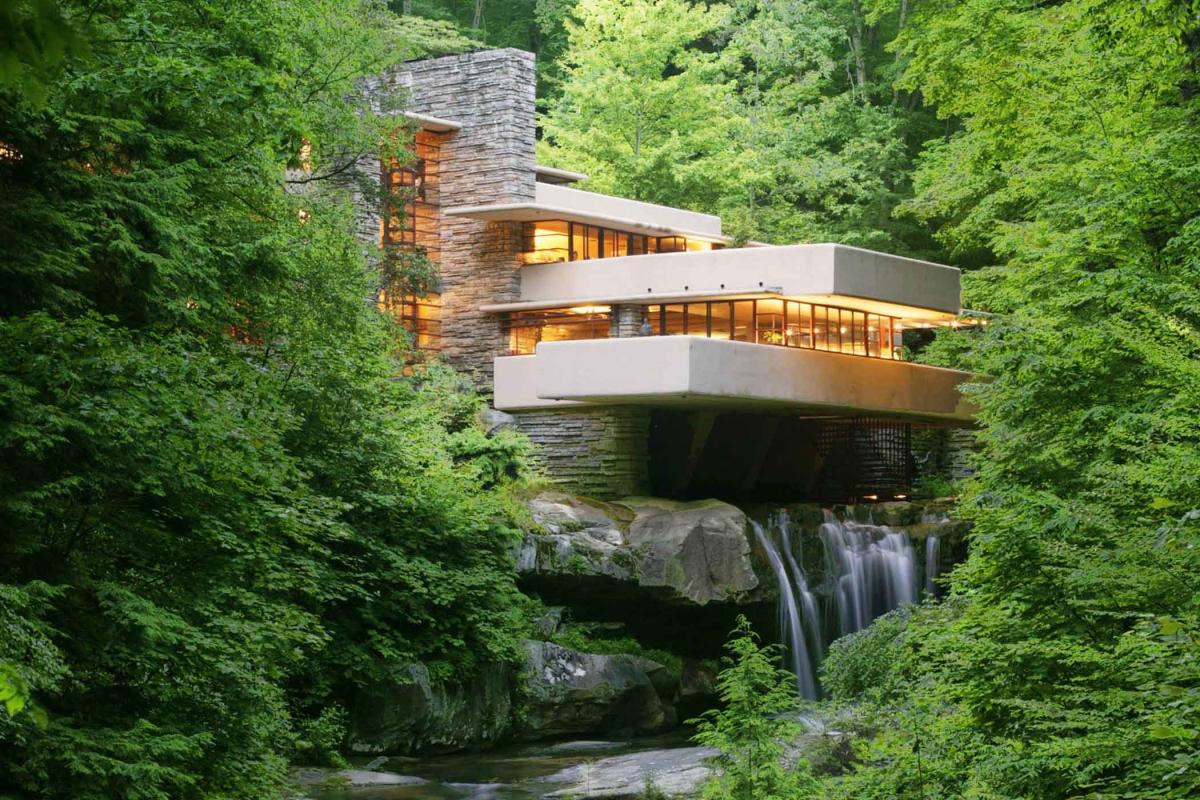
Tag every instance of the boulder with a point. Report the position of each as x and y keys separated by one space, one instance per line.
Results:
x=699 y=550
x=411 y=713
x=317 y=776
x=567 y=692
x=676 y=772
x=693 y=553
x=579 y=538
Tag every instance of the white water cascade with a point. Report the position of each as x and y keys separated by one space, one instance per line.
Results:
x=874 y=568
x=932 y=564
x=866 y=570
x=808 y=602
x=789 y=623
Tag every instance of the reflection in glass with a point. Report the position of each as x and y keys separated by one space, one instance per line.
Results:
x=743 y=320
x=720 y=315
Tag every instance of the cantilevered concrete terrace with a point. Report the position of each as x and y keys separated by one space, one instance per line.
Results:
x=850 y=277
x=693 y=372
x=559 y=202
x=731 y=367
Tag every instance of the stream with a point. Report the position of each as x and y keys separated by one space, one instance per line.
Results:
x=524 y=772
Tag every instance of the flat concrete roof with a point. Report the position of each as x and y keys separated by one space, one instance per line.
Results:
x=432 y=123
x=820 y=273
x=695 y=372
x=556 y=175
x=552 y=201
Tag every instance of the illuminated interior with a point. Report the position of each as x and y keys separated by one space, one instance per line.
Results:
x=410 y=225
x=527 y=328
x=552 y=241
x=786 y=323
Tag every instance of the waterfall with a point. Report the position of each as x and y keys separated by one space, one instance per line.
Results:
x=868 y=570
x=932 y=564
x=808 y=602
x=789 y=613
x=874 y=569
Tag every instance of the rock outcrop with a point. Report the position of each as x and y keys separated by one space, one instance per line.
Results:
x=557 y=692
x=566 y=692
x=692 y=553
x=412 y=713
x=675 y=772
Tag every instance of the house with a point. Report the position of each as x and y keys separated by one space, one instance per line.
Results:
x=633 y=343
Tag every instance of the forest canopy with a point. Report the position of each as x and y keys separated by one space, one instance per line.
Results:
x=225 y=504
x=220 y=509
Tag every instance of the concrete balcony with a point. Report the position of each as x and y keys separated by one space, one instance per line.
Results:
x=694 y=372
x=832 y=274
x=557 y=202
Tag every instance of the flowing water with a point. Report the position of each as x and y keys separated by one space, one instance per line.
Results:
x=518 y=772
x=789 y=623
x=932 y=564
x=865 y=571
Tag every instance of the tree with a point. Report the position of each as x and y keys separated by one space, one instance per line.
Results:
x=644 y=110
x=1071 y=670
x=752 y=729
x=221 y=506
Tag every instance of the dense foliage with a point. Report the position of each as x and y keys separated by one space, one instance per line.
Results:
x=220 y=509
x=1066 y=663
x=751 y=730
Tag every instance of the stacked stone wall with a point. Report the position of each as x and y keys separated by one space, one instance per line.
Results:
x=626 y=321
x=490 y=160
x=597 y=452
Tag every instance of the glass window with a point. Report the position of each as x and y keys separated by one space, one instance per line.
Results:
x=654 y=314
x=821 y=327
x=874 y=331
x=671 y=244
x=546 y=242
x=622 y=244
x=676 y=318
x=591 y=242
x=791 y=334
x=720 y=315
x=637 y=245
x=743 y=320
x=806 y=325
x=769 y=321
x=837 y=330
x=527 y=329
x=608 y=247
x=858 y=333
x=697 y=319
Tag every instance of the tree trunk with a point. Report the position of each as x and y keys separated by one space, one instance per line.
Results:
x=856 y=46
x=477 y=20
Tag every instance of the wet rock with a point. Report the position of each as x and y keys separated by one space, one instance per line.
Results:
x=411 y=713
x=584 y=746
x=700 y=550
x=696 y=552
x=676 y=772
x=579 y=538
x=315 y=776
x=494 y=421
x=567 y=692
x=548 y=622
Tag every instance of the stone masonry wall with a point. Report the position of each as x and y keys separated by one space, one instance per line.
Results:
x=626 y=321
x=597 y=452
x=489 y=161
